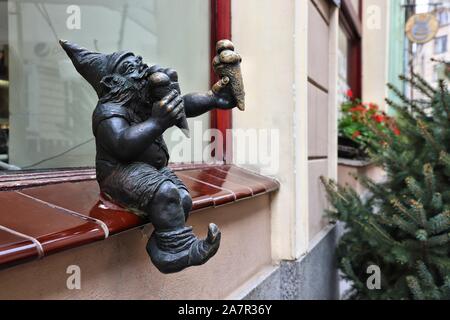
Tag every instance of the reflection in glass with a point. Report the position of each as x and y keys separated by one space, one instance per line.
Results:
x=48 y=111
x=343 y=53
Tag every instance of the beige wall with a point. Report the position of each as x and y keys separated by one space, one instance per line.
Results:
x=348 y=171
x=279 y=56
x=355 y=4
x=321 y=109
x=267 y=47
x=375 y=46
x=119 y=267
x=317 y=197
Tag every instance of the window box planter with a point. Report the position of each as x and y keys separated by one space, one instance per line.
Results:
x=349 y=149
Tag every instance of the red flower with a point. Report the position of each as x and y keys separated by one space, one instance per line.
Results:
x=396 y=131
x=358 y=108
x=356 y=134
x=349 y=94
x=378 y=118
x=373 y=106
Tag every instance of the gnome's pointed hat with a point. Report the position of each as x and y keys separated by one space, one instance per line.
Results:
x=93 y=66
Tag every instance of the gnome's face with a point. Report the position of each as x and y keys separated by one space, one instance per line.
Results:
x=133 y=68
x=135 y=71
x=136 y=74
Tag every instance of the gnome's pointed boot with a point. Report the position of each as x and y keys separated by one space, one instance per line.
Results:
x=173 y=251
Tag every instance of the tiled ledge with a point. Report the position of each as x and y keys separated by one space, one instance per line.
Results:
x=58 y=211
x=354 y=163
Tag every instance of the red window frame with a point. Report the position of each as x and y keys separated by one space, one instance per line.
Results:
x=220 y=29
x=350 y=21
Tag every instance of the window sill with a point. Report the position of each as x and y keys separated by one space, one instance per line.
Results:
x=354 y=163
x=45 y=212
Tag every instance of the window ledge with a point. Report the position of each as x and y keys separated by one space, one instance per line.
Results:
x=45 y=212
x=354 y=163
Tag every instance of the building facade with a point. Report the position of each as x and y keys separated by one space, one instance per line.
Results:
x=437 y=49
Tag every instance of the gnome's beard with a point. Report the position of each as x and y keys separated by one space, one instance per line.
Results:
x=131 y=93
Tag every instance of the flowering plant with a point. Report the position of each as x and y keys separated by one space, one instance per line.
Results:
x=365 y=123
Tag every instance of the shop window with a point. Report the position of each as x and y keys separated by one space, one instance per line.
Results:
x=45 y=105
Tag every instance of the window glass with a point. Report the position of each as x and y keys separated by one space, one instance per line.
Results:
x=343 y=72
x=443 y=17
x=440 y=45
x=45 y=105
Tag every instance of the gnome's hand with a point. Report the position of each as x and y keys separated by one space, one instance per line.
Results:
x=161 y=83
x=223 y=96
x=227 y=65
x=169 y=110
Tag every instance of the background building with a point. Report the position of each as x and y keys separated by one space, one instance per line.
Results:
x=437 y=49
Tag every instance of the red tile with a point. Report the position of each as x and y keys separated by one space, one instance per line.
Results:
x=258 y=180
x=254 y=186
x=202 y=202
x=88 y=202
x=14 y=248
x=115 y=217
x=76 y=196
x=45 y=175
x=219 y=196
x=20 y=180
x=220 y=180
x=84 y=198
x=54 y=228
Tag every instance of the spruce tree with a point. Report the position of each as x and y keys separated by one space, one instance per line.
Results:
x=403 y=224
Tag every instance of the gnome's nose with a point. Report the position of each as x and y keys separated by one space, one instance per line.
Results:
x=143 y=67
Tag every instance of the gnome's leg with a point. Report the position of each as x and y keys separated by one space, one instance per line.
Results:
x=186 y=202
x=173 y=246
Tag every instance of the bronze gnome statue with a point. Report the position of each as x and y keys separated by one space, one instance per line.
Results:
x=137 y=103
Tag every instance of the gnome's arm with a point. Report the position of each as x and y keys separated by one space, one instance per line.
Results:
x=196 y=104
x=127 y=141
